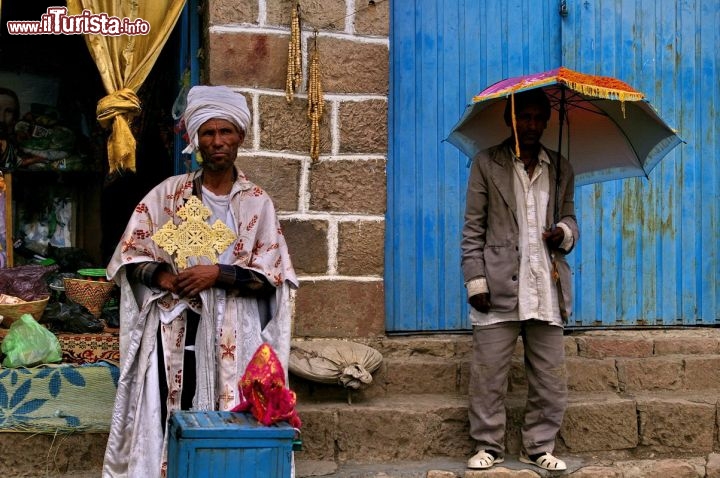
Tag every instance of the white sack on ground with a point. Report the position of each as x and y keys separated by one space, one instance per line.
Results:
x=349 y=364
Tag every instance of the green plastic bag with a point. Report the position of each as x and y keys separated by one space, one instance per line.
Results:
x=28 y=343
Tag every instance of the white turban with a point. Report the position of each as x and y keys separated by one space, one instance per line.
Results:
x=207 y=102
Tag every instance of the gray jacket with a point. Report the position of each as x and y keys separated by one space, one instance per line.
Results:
x=490 y=243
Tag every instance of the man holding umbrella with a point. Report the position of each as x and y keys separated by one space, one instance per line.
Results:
x=519 y=224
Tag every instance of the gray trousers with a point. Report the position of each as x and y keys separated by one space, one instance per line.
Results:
x=493 y=346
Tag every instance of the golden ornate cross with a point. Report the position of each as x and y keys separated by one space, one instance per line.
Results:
x=194 y=236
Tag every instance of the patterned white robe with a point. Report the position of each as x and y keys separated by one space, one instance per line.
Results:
x=228 y=334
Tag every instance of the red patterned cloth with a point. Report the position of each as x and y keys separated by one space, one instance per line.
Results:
x=89 y=348
x=263 y=390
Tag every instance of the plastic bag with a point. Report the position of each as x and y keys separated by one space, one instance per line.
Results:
x=27 y=282
x=72 y=317
x=28 y=343
x=111 y=316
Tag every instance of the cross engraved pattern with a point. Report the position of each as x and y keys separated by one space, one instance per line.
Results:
x=194 y=237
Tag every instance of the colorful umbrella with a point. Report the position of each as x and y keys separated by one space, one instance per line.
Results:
x=606 y=128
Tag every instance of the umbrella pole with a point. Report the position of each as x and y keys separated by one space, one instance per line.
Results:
x=561 y=111
x=555 y=274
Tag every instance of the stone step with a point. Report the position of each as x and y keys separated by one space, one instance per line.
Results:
x=638 y=399
x=599 y=428
x=621 y=374
x=426 y=426
x=35 y=455
x=597 y=361
x=578 y=466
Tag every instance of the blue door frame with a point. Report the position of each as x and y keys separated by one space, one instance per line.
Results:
x=188 y=70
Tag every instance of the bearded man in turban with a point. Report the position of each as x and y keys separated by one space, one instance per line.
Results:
x=205 y=279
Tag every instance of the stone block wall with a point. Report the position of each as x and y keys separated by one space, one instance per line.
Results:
x=332 y=210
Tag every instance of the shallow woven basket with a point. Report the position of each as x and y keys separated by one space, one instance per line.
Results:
x=90 y=293
x=12 y=312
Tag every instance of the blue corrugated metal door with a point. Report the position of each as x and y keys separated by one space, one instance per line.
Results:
x=442 y=53
x=650 y=248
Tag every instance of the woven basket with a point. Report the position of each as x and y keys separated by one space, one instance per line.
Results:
x=12 y=312
x=90 y=293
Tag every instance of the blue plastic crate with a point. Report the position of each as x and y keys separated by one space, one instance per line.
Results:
x=225 y=444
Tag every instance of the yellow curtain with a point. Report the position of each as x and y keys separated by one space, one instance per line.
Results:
x=124 y=62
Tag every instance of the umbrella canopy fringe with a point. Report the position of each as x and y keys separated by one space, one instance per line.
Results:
x=603 y=92
x=519 y=88
x=604 y=87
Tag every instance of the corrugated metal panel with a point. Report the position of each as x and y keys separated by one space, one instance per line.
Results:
x=442 y=53
x=649 y=254
x=650 y=248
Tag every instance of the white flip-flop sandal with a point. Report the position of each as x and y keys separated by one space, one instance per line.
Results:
x=545 y=461
x=483 y=460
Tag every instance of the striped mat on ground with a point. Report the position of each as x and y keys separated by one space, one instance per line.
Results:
x=59 y=398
